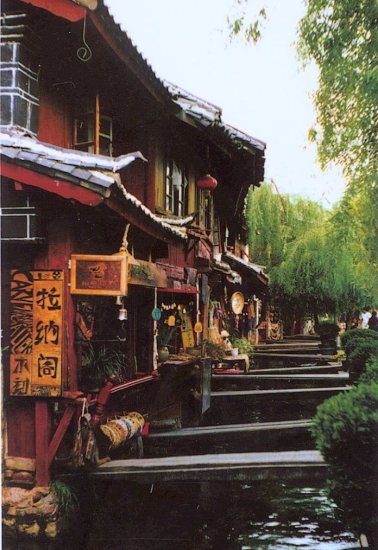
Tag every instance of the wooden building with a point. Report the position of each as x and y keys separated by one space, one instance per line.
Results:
x=103 y=220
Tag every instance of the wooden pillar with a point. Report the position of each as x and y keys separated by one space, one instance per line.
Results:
x=150 y=182
x=42 y=430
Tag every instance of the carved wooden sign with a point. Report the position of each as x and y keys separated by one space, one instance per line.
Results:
x=99 y=275
x=36 y=338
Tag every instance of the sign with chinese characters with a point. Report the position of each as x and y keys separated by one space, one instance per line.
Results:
x=99 y=275
x=36 y=338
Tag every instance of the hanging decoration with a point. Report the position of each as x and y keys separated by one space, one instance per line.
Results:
x=207 y=183
x=84 y=53
x=237 y=302
x=171 y=321
x=156 y=314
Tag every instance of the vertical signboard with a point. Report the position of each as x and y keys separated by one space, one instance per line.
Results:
x=187 y=332
x=36 y=333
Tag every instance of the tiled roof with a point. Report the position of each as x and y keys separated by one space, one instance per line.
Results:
x=207 y=114
x=65 y=164
x=255 y=268
x=203 y=112
x=96 y=172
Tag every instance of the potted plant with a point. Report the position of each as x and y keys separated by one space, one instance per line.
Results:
x=165 y=335
x=213 y=350
x=328 y=331
x=98 y=365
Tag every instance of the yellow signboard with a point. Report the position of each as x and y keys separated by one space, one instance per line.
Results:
x=36 y=340
x=187 y=334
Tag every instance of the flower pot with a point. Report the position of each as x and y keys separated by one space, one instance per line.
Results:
x=163 y=354
x=328 y=346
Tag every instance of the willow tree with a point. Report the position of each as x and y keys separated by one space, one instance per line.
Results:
x=322 y=274
x=341 y=37
x=275 y=220
x=314 y=267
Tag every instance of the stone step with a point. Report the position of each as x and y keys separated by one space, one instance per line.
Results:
x=288 y=465
x=257 y=437
x=249 y=406
x=277 y=381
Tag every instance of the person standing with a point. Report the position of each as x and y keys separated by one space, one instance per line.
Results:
x=373 y=321
x=365 y=316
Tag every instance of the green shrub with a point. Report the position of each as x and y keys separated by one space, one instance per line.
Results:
x=327 y=329
x=350 y=338
x=346 y=433
x=370 y=373
x=364 y=351
x=244 y=346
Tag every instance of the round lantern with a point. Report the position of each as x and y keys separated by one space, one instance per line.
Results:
x=207 y=183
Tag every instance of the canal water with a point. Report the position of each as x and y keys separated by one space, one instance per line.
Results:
x=196 y=516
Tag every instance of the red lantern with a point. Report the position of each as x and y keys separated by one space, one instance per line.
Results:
x=207 y=183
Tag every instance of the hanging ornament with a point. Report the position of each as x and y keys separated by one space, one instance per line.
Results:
x=198 y=327
x=171 y=321
x=156 y=314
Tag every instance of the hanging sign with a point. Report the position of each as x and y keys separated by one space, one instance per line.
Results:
x=99 y=275
x=36 y=338
x=187 y=332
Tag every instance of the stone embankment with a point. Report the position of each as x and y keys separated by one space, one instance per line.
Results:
x=33 y=513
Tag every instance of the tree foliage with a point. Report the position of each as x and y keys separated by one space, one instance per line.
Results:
x=341 y=36
x=313 y=268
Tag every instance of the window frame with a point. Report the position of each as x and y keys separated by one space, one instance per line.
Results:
x=176 y=197
x=91 y=112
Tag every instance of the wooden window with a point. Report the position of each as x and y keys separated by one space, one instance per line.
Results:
x=93 y=130
x=176 y=189
x=205 y=210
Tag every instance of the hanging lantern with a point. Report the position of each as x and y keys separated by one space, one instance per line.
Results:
x=207 y=183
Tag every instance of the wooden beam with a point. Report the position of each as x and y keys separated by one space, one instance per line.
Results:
x=61 y=431
x=52 y=185
x=42 y=425
x=62 y=8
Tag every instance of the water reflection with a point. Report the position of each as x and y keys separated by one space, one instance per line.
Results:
x=196 y=516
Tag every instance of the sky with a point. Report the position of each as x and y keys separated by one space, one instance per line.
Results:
x=262 y=89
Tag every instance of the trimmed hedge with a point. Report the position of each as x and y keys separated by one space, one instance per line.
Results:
x=363 y=353
x=346 y=432
x=370 y=373
x=350 y=338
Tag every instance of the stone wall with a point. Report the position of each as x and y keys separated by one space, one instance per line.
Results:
x=31 y=513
